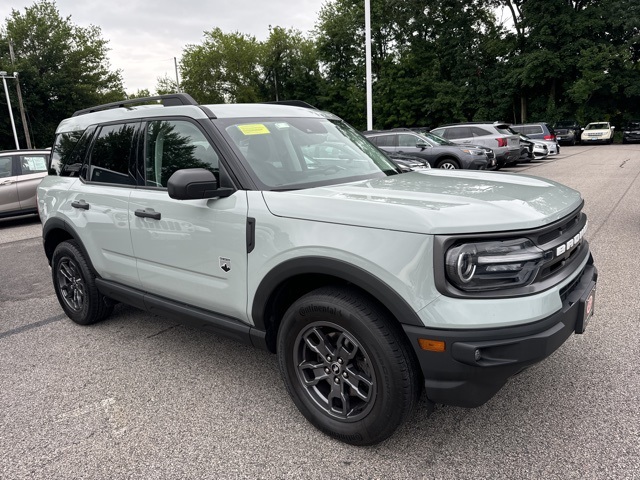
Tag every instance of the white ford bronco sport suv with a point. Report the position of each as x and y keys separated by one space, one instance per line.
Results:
x=371 y=286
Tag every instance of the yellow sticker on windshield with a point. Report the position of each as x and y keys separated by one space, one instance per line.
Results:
x=254 y=129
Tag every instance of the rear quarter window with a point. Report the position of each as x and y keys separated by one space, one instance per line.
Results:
x=67 y=154
x=480 y=132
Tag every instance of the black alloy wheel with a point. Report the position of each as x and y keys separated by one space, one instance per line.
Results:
x=74 y=283
x=347 y=365
x=335 y=370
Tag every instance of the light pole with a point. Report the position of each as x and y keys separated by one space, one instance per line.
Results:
x=367 y=34
x=27 y=137
x=6 y=92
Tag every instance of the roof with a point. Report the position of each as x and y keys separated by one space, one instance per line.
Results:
x=25 y=150
x=184 y=105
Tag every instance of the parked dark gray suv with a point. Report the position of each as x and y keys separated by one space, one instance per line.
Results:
x=439 y=152
x=537 y=131
x=631 y=132
x=496 y=136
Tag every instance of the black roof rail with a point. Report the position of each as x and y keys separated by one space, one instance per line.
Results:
x=293 y=103
x=169 y=100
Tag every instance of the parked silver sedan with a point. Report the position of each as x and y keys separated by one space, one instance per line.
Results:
x=20 y=173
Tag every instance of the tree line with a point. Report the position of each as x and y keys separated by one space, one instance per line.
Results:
x=433 y=62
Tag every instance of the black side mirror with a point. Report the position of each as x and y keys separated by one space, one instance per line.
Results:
x=421 y=145
x=195 y=183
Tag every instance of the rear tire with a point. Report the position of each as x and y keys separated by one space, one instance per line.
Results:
x=75 y=286
x=347 y=366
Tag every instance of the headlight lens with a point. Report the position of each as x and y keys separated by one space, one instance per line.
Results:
x=473 y=151
x=483 y=266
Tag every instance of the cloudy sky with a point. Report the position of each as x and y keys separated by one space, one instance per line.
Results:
x=145 y=35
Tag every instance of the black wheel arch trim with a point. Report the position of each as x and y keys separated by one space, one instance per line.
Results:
x=59 y=224
x=355 y=275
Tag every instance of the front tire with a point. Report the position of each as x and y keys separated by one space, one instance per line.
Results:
x=74 y=283
x=448 y=164
x=347 y=366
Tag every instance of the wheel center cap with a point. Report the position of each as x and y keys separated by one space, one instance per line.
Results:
x=335 y=368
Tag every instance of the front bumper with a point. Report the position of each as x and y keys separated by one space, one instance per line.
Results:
x=586 y=139
x=507 y=157
x=567 y=138
x=476 y=164
x=477 y=363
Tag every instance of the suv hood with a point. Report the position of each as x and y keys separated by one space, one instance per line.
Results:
x=432 y=202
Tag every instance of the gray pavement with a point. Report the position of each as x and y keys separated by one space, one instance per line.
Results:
x=138 y=396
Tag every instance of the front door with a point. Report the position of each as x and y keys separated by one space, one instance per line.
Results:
x=191 y=251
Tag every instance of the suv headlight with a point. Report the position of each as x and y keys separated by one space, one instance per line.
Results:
x=473 y=151
x=483 y=266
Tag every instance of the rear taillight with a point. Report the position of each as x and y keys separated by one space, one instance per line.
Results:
x=549 y=137
x=502 y=142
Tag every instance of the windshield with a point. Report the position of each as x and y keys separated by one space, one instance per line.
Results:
x=565 y=124
x=289 y=153
x=598 y=126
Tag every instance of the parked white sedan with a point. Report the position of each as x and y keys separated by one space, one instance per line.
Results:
x=597 y=132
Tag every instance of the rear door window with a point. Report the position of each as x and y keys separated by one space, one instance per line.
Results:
x=458 y=132
x=112 y=158
x=385 y=140
x=32 y=163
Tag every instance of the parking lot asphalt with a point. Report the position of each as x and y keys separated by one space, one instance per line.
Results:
x=138 y=396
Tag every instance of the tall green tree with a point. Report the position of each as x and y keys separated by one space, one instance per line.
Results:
x=225 y=67
x=574 y=58
x=431 y=59
x=62 y=68
x=289 y=67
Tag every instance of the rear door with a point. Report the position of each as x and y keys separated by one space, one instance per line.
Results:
x=99 y=201
x=9 y=201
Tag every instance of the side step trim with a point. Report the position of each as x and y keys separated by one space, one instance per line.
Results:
x=186 y=314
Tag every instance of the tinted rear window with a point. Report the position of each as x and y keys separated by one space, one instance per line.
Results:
x=67 y=153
